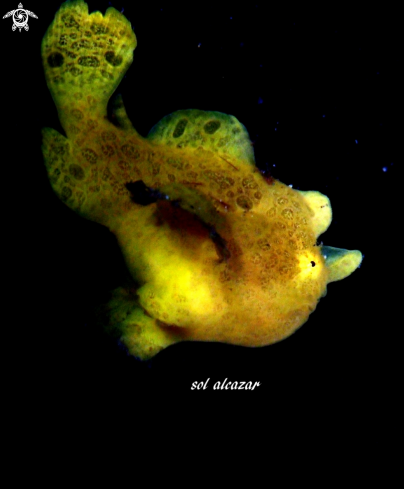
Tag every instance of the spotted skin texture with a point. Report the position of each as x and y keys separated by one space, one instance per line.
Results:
x=217 y=251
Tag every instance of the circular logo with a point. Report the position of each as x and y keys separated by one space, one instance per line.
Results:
x=20 y=18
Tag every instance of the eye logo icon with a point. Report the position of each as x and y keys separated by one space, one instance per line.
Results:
x=20 y=17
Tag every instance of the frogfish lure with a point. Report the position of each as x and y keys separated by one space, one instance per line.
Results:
x=216 y=251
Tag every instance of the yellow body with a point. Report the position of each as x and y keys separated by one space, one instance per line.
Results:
x=217 y=252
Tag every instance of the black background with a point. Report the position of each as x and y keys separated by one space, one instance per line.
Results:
x=318 y=93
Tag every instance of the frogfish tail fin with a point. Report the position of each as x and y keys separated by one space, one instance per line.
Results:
x=85 y=56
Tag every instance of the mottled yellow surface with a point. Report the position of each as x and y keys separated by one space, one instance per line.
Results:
x=217 y=252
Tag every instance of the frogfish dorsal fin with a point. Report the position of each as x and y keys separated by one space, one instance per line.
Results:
x=193 y=130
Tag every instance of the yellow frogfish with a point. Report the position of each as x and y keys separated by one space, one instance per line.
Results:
x=217 y=252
